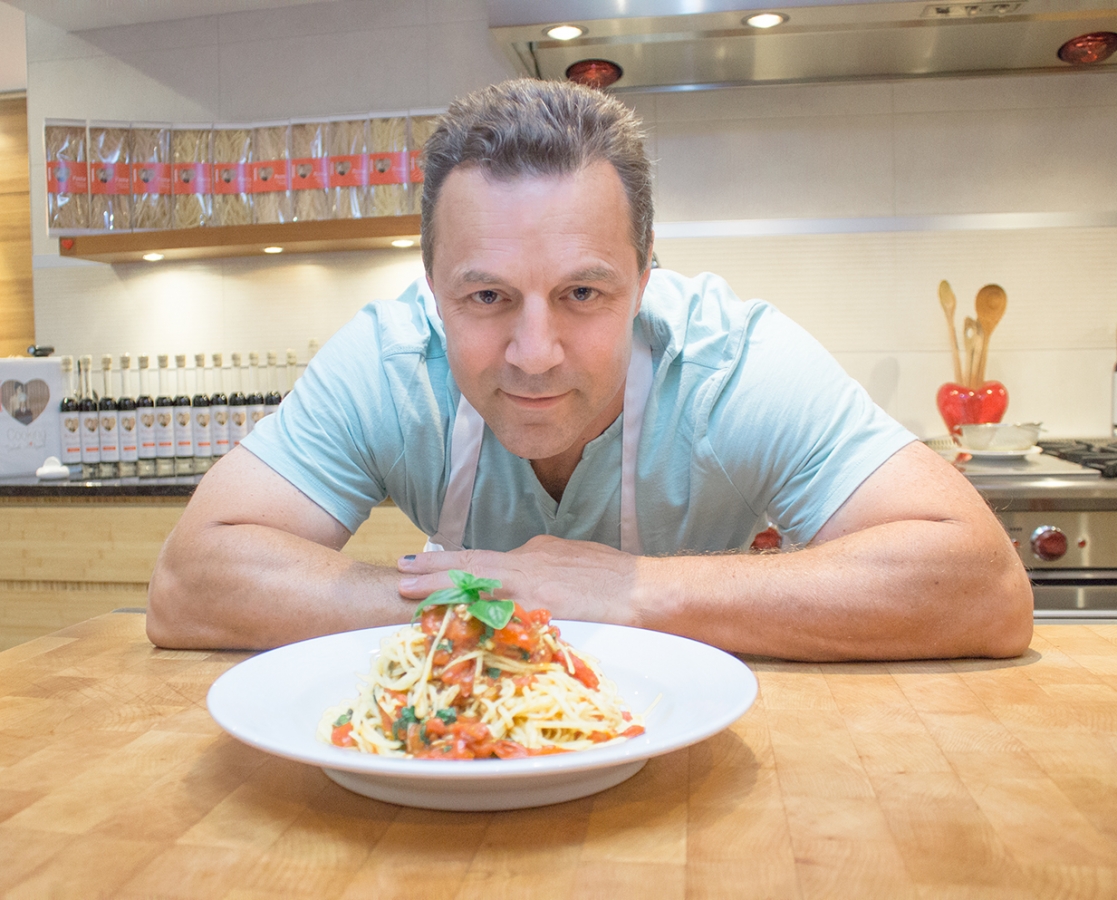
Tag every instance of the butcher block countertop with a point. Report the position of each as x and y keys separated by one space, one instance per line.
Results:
x=980 y=779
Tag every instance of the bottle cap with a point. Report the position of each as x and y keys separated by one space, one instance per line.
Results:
x=292 y=357
x=218 y=360
x=180 y=360
x=236 y=360
x=199 y=360
x=125 y=360
x=253 y=358
x=106 y=361
x=67 y=363
x=144 y=361
x=273 y=357
x=162 y=360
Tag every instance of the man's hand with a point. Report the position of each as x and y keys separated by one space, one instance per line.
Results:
x=573 y=579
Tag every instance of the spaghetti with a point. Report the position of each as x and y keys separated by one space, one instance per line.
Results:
x=450 y=687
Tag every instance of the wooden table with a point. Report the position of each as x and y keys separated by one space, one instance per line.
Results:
x=936 y=779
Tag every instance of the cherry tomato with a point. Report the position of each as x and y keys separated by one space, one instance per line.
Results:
x=342 y=735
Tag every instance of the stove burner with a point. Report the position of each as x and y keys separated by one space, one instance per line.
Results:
x=1091 y=454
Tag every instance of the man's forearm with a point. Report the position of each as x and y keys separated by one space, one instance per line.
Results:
x=253 y=587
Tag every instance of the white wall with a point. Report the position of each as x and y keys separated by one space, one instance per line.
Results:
x=843 y=204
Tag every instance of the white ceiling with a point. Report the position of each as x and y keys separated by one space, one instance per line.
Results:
x=81 y=15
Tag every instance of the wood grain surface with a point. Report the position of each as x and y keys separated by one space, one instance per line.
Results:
x=980 y=779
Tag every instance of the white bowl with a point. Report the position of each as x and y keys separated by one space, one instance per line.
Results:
x=1000 y=436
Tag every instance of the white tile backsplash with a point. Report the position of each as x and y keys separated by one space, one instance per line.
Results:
x=1037 y=144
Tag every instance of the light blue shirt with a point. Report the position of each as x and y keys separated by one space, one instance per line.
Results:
x=748 y=417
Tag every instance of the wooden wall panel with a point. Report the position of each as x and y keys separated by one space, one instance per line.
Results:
x=17 y=307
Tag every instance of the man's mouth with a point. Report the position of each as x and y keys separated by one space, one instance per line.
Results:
x=534 y=401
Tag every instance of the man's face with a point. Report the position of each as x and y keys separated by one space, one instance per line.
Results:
x=537 y=283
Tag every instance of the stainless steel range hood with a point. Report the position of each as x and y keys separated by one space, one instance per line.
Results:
x=691 y=44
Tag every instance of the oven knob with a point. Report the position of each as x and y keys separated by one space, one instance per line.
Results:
x=1049 y=543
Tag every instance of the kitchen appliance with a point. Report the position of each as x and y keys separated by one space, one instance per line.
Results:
x=687 y=45
x=1059 y=506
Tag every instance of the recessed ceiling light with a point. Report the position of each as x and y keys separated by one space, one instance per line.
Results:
x=564 y=32
x=273 y=249
x=403 y=243
x=153 y=257
x=766 y=20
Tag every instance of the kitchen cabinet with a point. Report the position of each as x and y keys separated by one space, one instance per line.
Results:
x=212 y=242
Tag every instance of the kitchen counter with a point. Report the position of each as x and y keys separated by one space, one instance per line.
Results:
x=80 y=488
x=926 y=779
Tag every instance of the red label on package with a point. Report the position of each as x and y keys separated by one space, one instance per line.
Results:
x=151 y=178
x=387 y=168
x=415 y=173
x=67 y=177
x=110 y=178
x=230 y=178
x=310 y=173
x=269 y=175
x=349 y=171
x=191 y=178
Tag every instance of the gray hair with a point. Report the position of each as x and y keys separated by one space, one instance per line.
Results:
x=530 y=127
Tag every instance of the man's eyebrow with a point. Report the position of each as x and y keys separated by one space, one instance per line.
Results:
x=477 y=276
x=592 y=273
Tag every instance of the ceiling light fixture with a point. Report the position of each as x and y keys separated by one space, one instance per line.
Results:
x=765 y=20
x=403 y=243
x=1085 y=49
x=273 y=249
x=594 y=73
x=153 y=257
x=564 y=32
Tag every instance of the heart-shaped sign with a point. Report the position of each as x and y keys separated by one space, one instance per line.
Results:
x=24 y=402
x=960 y=405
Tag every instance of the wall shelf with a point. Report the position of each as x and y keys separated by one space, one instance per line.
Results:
x=243 y=240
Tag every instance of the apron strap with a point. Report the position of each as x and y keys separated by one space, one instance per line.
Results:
x=636 y=389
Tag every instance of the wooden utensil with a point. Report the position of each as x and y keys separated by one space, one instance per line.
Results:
x=969 y=330
x=949 y=303
x=979 y=338
x=990 y=305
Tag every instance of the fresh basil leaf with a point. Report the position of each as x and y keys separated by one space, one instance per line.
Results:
x=344 y=718
x=494 y=613
x=469 y=582
x=445 y=597
x=449 y=715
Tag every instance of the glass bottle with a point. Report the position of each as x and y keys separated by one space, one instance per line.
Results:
x=202 y=429
x=69 y=422
x=292 y=371
x=129 y=421
x=183 y=425
x=238 y=407
x=145 y=424
x=219 y=408
x=89 y=420
x=272 y=397
x=110 y=424
x=164 y=422
x=255 y=397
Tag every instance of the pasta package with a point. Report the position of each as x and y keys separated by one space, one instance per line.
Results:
x=190 y=151
x=151 y=177
x=420 y=128
x=457 y=686
x=110 y=176
x=347 y=149
x=387 y=166
x=67 y=175
x=232 y=155
x=270 y=173
x=309 y=172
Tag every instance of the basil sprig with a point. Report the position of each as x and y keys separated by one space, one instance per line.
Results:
x=467 y=589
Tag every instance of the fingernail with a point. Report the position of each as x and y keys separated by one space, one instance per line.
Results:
x=410 y=557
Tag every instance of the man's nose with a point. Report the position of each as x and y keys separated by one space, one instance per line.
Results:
x=535 y=346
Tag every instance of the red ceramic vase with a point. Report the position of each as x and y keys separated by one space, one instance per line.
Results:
x=959 y=405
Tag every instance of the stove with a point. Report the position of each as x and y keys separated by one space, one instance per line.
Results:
x=1058 y=503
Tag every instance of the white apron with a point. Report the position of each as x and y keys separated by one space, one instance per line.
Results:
x=465 y=450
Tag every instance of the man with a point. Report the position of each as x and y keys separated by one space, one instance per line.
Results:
x=600 y=437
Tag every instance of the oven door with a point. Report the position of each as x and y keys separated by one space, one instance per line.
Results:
x=1080 y=596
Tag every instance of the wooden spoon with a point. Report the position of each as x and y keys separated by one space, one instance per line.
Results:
x=949 y=304
x=990 y=305
x=969 y=332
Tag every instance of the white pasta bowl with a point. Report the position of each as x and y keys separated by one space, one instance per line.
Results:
x=1000 y=436
x=274 y=702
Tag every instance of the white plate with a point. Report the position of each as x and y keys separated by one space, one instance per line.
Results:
x=1002 y=454
x=274 y=702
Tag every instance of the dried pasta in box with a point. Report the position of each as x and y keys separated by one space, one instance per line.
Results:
x=309 y=172
x=270 y=173
x=67 y=175
x=387 y=167
x=346 y=146
x=151 y=177
x=232 y=154
x=190 y=149
x=420 y=127
x=110 y=177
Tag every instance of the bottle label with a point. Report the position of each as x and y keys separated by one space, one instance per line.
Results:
x=151 y=178
x=145 y=433
x=165 y=432
x=387 y=168
x=238 y=424
x=219 y=422
x=129 y=446
x=64 y=177
x=191 y=178
x=184 y=431
x=268 y=175
x=90 y=437
x=110 y=178
x=230 y=178
x=255 y=414
x=110 y=439
x=71 y=438
x=310 y=173
x=202 y=433
x=349 y=171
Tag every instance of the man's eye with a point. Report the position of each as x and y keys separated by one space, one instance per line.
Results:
x=486 y=297
x=583 y=293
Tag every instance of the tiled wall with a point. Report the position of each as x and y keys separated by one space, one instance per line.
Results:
x=843 y=204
